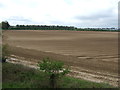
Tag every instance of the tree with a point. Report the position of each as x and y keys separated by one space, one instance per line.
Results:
x=55 y=70
x=5 y=25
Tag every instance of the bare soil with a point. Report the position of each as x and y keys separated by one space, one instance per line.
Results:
x=89 y=51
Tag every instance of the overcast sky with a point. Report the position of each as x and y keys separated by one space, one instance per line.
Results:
x=78 y=13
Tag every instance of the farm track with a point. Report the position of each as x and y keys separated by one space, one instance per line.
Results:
x=77 y=72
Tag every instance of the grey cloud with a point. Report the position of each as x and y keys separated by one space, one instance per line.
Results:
x=20 y=20
x=106 y=18
x=98 y=15
x=92 y=17
x=113 y=22
x=57 y=22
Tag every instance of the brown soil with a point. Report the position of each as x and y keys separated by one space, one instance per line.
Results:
x=96 y=51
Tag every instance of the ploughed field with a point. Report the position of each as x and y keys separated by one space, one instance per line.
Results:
x=93 y=51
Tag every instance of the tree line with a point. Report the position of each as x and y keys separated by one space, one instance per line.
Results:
x=6 y=26
x=41 y=27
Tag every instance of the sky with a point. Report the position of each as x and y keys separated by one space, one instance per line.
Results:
x=78 y=13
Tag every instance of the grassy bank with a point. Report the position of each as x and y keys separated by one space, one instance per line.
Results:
x=18 y=76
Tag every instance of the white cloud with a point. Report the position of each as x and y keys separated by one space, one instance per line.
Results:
x=61 y=12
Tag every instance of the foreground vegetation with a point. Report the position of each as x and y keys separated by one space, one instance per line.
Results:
x=17 y=76
x=55 y=70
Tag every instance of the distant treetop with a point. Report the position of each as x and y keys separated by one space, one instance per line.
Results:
x=5 y=25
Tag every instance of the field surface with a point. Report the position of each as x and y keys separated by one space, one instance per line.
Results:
x=87 y=52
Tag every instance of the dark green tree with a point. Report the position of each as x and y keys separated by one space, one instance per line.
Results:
x=5 y=25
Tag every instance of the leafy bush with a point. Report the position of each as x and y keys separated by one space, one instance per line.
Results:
x=55 y=70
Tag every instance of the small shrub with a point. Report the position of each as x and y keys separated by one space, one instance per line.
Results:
x=55 y=70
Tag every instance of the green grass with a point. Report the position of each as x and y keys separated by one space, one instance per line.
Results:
x=18 y=76
x=78 y=83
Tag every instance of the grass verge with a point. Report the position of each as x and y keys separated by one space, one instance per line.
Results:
x=18 y=76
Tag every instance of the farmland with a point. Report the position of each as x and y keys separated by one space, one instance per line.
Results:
x=88 y=52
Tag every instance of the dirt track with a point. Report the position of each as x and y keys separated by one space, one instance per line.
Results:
x=93 y=51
